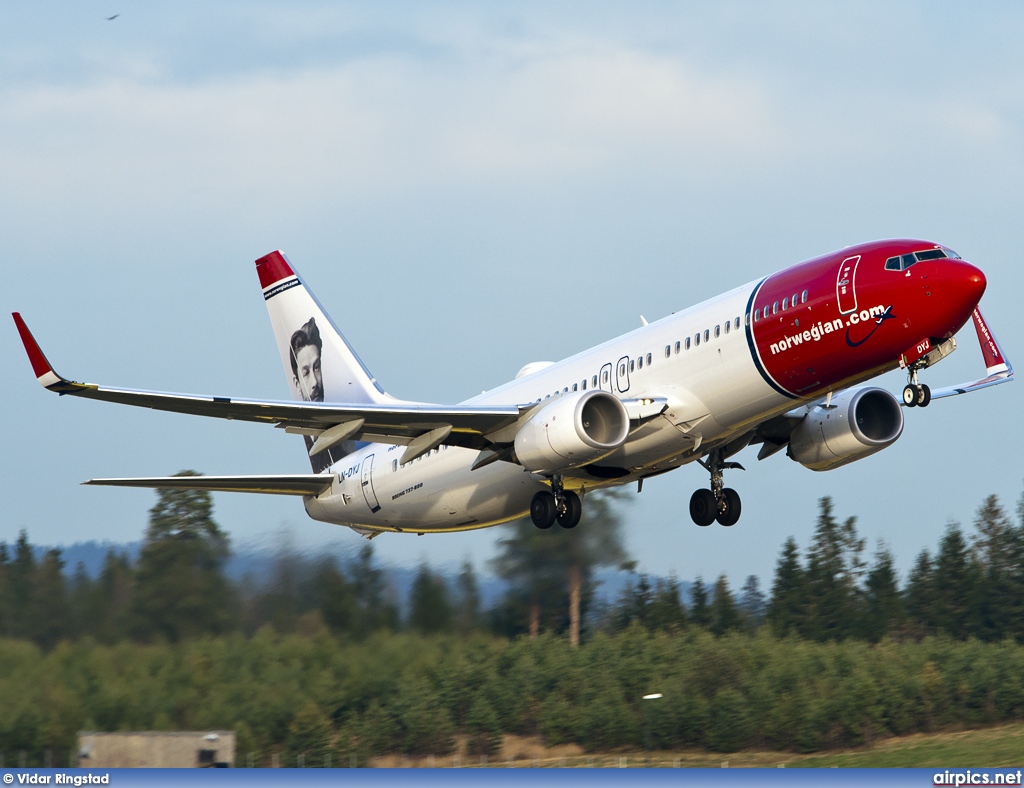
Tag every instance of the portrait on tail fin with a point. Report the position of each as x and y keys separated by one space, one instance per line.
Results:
x=306 y=351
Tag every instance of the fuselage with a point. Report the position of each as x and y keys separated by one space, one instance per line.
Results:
x=723 y=366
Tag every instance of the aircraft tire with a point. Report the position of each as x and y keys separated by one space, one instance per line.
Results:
x=573 y=510
x=924 y=395
x=733 y=507
x=703 y=507
x=542 y=510
x=909 y=396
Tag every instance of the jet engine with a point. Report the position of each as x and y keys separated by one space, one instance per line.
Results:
x=858 y=422
x=573 y=430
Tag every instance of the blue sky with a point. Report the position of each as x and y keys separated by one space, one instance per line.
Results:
x=469 y=187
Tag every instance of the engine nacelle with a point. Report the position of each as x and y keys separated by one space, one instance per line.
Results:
x=858 y=423
x=573 y=430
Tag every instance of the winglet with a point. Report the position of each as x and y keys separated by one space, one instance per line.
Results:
x=997 y=368
x=40 y=366
x=995 y=361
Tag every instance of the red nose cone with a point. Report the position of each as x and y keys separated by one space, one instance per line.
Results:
x=971 y=283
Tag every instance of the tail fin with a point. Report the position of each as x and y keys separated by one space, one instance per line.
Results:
x=319 y=363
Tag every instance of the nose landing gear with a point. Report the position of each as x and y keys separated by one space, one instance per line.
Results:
x=916 y=395
x=720 y=503
x=559 y=504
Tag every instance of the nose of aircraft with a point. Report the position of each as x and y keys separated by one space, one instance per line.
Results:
x=969 y=283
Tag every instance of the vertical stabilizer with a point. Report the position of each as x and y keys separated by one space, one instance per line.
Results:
x=319 y=363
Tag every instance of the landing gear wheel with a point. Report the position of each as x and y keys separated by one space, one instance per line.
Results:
x=703 y=507
x=542 y=510
x=924 y=395
x=910 y=396
x=569 y=517
x=729 y=512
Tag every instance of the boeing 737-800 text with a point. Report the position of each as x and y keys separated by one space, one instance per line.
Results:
x=777 y=362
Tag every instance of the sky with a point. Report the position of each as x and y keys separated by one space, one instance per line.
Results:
x=468 y=187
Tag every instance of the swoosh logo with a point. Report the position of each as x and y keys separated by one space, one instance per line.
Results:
x=886 y=315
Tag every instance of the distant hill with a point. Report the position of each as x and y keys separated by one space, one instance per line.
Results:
x=258 y=562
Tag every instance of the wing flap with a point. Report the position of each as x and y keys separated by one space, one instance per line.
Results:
x=291 y=484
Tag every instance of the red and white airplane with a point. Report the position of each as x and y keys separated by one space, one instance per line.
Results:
x=776 y=362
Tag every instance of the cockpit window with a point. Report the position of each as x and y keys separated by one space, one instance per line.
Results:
x=903 y=262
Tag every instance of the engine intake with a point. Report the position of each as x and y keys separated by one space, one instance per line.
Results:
x=858 y=423
x=573 y=430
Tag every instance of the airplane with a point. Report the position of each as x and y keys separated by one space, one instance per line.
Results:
x=778 y=362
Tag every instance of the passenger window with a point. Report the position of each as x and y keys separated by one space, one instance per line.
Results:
x=737 y=322
x=687 y=343
x=775 y=308
x=785 y=304
x=632 y=364
x=803 y=297
x=718 y=331
x=727 y=322
x=648 y=359
x=678 y=345
x=639 y=363
x=668 y=351
x=565 y=390
x=757 y=315
x=793 y=300
x=394 y=465
x=707 y=335
x=584 y=384
x=696 y=339
x=593 y=381
x=604 y=377
x=622 y=370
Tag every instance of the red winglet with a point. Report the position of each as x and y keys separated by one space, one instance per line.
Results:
x=39 y=363
x=273 y=268
x=989 y=347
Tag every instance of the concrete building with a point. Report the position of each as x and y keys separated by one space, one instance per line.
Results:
x=157 y=749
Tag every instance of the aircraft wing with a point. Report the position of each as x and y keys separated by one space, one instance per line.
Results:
x=399 y=423
x=292 y=484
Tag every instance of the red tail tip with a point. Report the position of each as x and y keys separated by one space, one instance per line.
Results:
x=273 y=268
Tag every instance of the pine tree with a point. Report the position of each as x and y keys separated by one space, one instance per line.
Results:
x=883 y=606
x=52 y=610
x=376 y=609
x=666 y=609
x=957 y=575
x=22 y=574
x=834 y=567
x=788 y=606
x=467 y=613
x=6 y=601
x=430 y=609
x=181 y=591
x=700 y=610
x=725 y=616
x=995 y=552
x=551 y=571
x=920 y=597
x=753 y=606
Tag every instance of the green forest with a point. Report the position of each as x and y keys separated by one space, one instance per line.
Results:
x=318 y=664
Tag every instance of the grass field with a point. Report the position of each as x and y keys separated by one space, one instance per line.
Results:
x=1001 y=746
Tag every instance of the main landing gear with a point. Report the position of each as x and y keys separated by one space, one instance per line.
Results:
x=719 y=503
x=559 y=504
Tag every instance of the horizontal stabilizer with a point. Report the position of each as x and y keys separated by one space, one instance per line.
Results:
x=291 y=484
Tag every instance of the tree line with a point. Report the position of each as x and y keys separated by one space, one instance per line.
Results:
x=972 y=586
